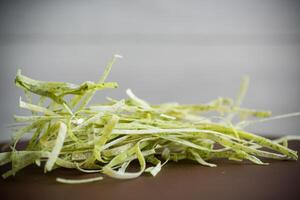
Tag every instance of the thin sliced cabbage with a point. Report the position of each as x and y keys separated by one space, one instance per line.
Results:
x=107 y=138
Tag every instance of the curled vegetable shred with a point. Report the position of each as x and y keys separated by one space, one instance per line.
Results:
x=106 y=138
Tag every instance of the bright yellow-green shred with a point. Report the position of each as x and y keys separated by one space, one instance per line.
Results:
x=105 y=138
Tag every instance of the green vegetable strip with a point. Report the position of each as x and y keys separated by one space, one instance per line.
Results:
x=200 y=160
x=106 y=138
x=5 y=158
x=80 y=181
x=137 y=101
x=90 y=95
x=258 y=139
x=126 y=175
x=35 y=108
x=57 y=146
x=21 y=159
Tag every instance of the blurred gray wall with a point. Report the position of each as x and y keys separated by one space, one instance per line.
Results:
x=184 y=51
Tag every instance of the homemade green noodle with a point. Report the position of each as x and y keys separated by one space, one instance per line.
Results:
x=106 y=138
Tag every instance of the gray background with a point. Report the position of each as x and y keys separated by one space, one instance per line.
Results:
x=184 y=51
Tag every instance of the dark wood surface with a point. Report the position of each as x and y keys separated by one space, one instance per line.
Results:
x=182 y=180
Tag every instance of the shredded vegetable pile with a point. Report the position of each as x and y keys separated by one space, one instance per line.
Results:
x=67 y=132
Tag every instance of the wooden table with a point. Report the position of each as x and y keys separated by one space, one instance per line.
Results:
x=182 y=180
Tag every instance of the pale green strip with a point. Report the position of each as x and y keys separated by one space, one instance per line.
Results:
x=78 y=181
x=62 y=131
x=35 y=108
